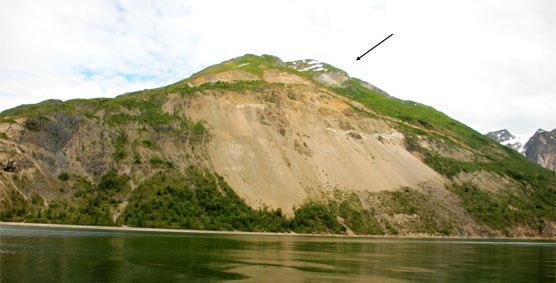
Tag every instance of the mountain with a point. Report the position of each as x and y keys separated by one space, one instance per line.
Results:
x=501 y=136
x=258 y=144
x=506 y=138
x=540 y=147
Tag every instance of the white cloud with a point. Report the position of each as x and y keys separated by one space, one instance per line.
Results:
x=487 y=64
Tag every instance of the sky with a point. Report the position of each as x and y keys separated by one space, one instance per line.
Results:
x=489 y=64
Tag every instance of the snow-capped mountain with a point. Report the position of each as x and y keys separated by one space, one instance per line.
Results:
x=506 y=138
x=539 y=146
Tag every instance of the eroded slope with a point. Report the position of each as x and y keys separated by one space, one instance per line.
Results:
x=275 y=146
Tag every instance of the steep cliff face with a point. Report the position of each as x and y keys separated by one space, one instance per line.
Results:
x=258 y=144
x=541 y=148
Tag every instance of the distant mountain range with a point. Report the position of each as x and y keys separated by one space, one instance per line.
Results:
x=540 y=146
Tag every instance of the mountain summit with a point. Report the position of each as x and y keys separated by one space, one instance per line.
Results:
x=540 y=147
x=258 y=144
x=502 y=136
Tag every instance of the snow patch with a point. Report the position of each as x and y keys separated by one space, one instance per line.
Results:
x=244 y=64
x=313 y=67
x=518 y=142
x=524 y=138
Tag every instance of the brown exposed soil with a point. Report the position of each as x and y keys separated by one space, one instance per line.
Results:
x=271 y=153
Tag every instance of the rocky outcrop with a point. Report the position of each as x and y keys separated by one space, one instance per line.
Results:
x=52 y=132
x=541 y=148
x=320 y=72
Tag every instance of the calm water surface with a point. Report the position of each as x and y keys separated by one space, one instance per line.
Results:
x=30 y=254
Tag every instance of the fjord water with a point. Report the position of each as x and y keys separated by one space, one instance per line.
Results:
x=39 y=254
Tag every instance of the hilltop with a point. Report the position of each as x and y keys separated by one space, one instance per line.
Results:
x=258 y=144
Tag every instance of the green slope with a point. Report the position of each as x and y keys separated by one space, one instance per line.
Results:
x=533 y=202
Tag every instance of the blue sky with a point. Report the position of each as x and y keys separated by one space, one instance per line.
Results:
x=489 y=64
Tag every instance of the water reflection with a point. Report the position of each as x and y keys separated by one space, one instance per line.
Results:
x=45 y=255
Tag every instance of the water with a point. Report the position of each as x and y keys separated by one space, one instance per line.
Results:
x=32 y=254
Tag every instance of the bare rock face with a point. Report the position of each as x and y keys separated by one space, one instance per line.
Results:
x=51 y=133
x=320 y=72
x=541 y=148
x=332 y=78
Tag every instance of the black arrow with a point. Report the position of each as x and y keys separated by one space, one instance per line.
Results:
x=359 y=58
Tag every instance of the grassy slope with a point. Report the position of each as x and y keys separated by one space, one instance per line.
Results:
x=250 y=63
x=535 y=200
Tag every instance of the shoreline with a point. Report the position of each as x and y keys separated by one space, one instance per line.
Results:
x=249 y=233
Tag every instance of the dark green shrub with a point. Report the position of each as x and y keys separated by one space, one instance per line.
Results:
x=64 y=176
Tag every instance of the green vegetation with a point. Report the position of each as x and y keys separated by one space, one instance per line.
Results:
x=358 y=219
x=537 y=183
x=531 y=204
x=423 y=213
x=143 y=107
x=148 y=106
x=450 y=167
x=64 y=176
x=202 y=200
x=535 y=199
x=112 y=182
x=186 y=90
x=6 y=120
x=87 y=205
x=198 y=200
x=249 y=63
x=413 y=113
x=504 y=209
x=315 y=217
x=157 y=162
x=36 y=110
x=120 y=142
x=194 y=199
x=15 y=208
x=148 y=143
